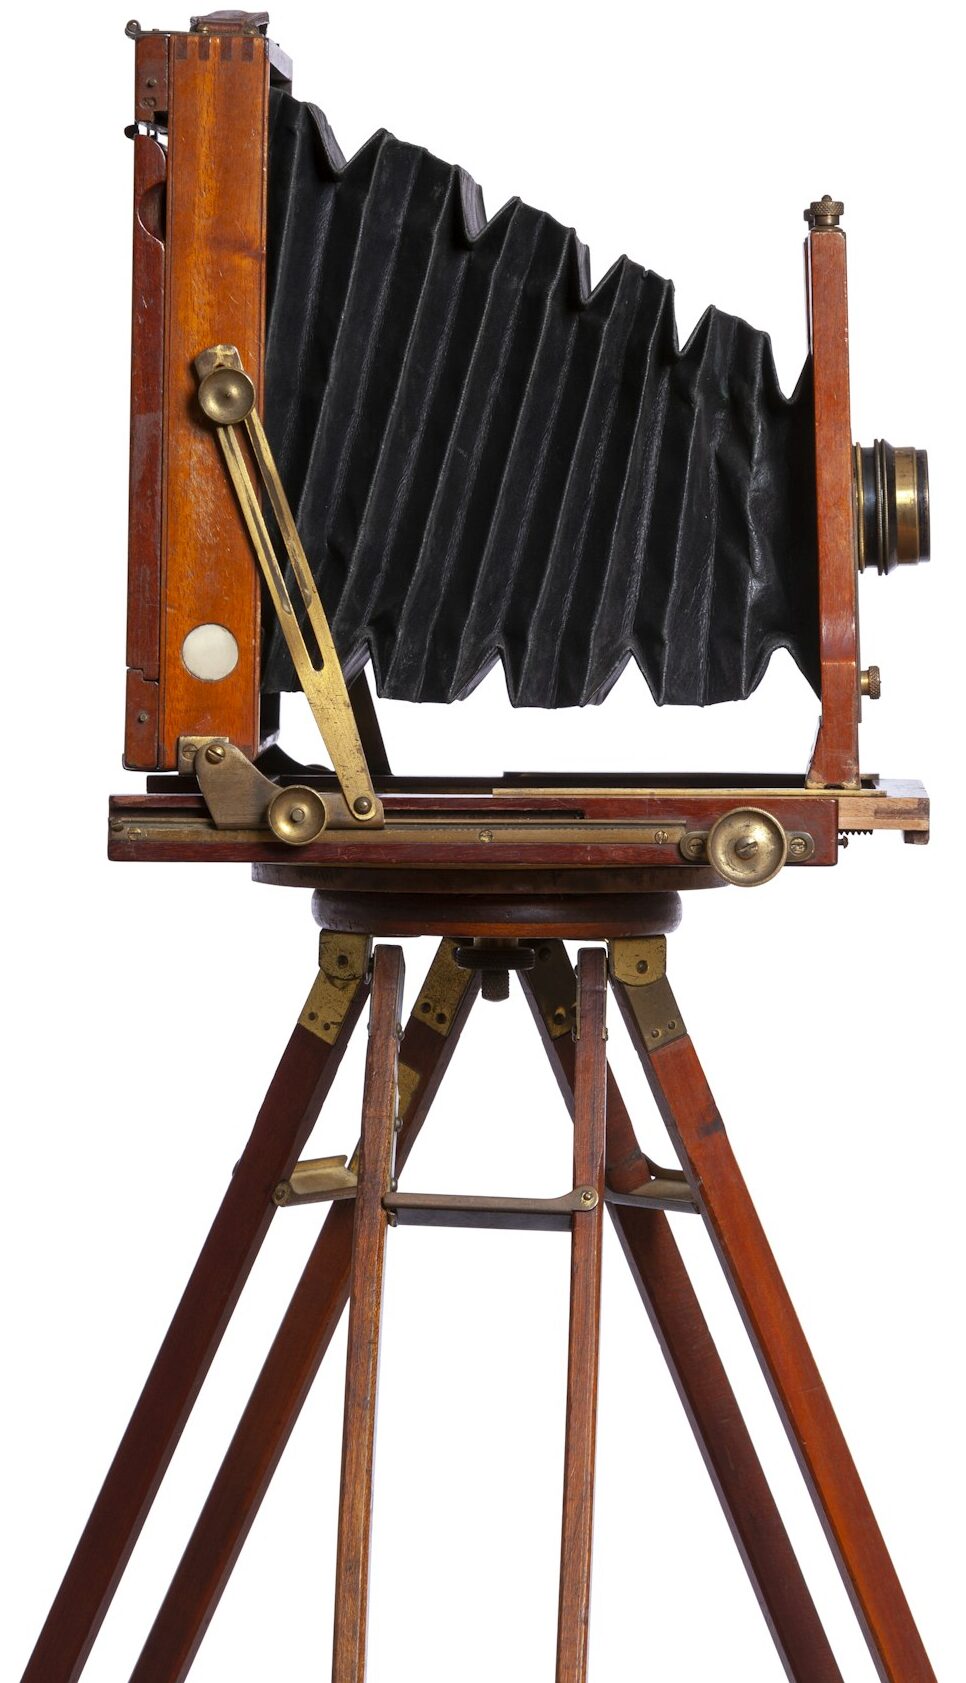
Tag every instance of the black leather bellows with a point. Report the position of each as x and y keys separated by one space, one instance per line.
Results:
x=489 y=461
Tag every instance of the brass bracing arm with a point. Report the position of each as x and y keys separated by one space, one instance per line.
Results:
x=227 y=396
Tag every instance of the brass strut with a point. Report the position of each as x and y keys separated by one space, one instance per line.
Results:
x=227 y=397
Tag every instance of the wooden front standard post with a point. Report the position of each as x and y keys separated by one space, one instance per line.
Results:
x=835 y=760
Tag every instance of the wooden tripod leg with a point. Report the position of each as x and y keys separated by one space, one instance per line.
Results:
x=297 y=1352
x=365 y=1315
x=590 y=1122
x=693 y=1360
x=284 y=1122
x=684 y=1099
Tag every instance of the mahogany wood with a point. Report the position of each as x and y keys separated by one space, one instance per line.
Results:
x=164 y=827
x=365 y=1316
x=836 y=756
x=147 y=373
x=591 y=917
x=284 y=1383
x=580 y=1448
x=698 y=1133
x=287 y=1116
x=215 y=294
x=696 y=1368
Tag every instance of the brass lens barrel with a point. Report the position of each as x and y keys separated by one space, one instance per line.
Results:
x=891 y=505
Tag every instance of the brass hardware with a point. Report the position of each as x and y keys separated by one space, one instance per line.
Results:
x=227 y=396
x=406 y=1085
x=343 y=966
x=317 y=1180
x=636 y=961
x=747 y=847
x=656 y=1194
x=648 y=991
x=825 y=212
x=297 y=815
x=891 y=491
x=694 y=846
x=224 y=392
x=548 y=1215
x=443 y=991
x=236 y=794
x=801 y=846
x=870 y=683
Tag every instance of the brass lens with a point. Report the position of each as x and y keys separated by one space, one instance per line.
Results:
x=891 y=506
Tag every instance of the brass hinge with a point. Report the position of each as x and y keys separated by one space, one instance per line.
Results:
x=344 y=962
x=640 y=968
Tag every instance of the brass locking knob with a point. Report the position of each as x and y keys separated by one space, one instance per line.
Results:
x=891 y=488
x=747 y=847
x=297 y=815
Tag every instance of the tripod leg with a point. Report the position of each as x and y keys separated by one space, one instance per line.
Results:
x=284 y=1123
x=432 y=1032
x=697 y=1131
x=693 y=1360
x=590 y=1122
x=365 y=1314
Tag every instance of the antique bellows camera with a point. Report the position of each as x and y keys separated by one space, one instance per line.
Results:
x=373 y=428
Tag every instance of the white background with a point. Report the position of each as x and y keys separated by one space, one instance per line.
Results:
x=145 y=1006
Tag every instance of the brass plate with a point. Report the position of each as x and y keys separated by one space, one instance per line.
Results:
x=343 y=967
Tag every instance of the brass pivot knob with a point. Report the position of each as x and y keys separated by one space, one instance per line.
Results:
x=747 y=847
x=870 y=682
x=297 y=815
x=227 y=396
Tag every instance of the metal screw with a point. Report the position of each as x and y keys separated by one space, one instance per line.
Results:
x=215 y=753
x=117 y=823
x=588 y=1197
x=642 y=966
x=560 y=1014
x=136 y=834
x=143 y=718
x=297 y=815
x=797 y=847
x=746 y=848
x=362 y=805
x=486 y=835
x=152 y=82
x=660 y=837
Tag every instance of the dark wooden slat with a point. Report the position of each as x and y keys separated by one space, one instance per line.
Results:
x=695 y=1366
x=286 y=1119
x=147 y=370
x=580 y=1451
x=289 y=1370
x=699 y=1137
x=365 y=1315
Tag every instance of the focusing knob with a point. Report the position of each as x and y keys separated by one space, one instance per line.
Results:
x=747 y=847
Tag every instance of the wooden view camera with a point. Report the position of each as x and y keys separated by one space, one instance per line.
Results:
x=371 y=425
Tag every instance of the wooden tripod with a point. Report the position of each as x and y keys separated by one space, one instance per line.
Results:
x=403 y=1071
